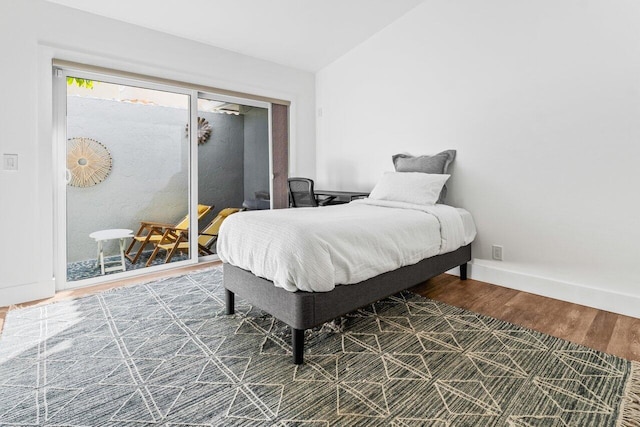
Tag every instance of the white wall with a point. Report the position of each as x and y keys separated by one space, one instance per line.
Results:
x=33 y=32
x=542 y=101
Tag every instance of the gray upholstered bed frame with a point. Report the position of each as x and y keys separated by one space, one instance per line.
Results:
x=304 y=310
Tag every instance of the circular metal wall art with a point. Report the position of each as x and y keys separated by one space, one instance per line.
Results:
x=88 y=162
x=204 y=130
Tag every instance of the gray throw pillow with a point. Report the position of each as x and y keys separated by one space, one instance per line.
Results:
x=438 y=163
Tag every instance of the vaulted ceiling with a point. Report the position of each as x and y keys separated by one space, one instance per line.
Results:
x=304 y=34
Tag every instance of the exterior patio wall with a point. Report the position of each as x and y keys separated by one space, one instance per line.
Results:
x=221 y=164
x=256 y=151
x=148 y=181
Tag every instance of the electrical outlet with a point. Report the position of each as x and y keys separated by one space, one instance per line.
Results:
x=10 y=162
x=496 y=252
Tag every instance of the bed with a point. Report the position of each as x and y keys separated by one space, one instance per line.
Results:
x=308 y=266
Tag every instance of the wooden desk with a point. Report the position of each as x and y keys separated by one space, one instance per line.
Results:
x=341 y=196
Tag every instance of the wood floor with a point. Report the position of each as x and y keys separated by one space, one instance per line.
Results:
x=601 y=330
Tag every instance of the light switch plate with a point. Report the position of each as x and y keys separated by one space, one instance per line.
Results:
x=10 y=162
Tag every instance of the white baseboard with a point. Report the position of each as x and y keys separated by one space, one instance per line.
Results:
x=28 y=292
x=602 y=299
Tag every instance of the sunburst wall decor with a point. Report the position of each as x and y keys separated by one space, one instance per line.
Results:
x=204 y=130
x=88 y=162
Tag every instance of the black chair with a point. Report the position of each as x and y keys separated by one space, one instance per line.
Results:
x=301 y=194
x=261 y=201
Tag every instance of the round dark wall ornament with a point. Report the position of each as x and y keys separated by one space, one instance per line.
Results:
x=204 y=130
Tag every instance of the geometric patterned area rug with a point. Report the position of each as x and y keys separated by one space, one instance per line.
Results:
x=164 y=353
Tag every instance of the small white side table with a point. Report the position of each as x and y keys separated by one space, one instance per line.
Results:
x=105 y=235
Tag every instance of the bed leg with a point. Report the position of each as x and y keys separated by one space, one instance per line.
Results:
x=230 y=299
x=297 y=345
x=463 y=271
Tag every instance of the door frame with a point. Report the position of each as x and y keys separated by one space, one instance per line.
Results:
x=277 y=137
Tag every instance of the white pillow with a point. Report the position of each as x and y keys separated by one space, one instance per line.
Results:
x=409 y=187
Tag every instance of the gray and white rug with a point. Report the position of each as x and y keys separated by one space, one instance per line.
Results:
x=164 y=353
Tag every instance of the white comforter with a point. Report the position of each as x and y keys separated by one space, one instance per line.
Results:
x=313 y=249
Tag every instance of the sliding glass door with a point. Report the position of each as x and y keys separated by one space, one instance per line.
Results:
x=233 y=156
x=126 y=192
x=137 y=190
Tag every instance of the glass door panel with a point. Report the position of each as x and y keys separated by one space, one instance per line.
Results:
x=128 y=165
x=233 y=159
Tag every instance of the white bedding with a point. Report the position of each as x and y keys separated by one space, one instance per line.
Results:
x=314 y=249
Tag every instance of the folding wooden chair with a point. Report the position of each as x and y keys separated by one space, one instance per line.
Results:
x=178 y=240
x=153 y=232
